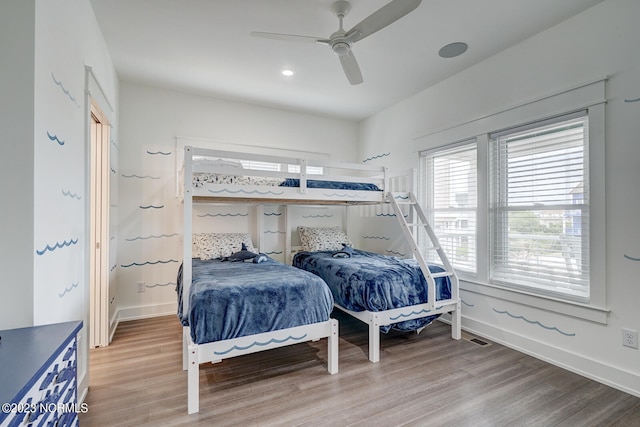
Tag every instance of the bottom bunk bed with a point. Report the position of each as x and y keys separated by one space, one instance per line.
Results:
x=382 y=291
x=237 y=308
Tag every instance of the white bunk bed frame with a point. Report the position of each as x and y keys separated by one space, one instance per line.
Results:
x=195 y=354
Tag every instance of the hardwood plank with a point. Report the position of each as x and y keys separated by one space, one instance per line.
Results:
x=422 y=379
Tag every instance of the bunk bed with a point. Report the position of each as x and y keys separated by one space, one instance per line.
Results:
x=217 y=176
x=220 y=176
x=385 y=292
x=233 y=307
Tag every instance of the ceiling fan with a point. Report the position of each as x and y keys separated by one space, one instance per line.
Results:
x=341 y=41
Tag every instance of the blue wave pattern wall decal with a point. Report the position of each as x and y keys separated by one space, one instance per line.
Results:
x=160 y=284
x=152 y=236
x=631 y=258
x=376 y=157
x=159 y=153
x=389 y=215
x=57 y=245
x=274 y=232
x=136 y=264
x=318 y=216
x=260 y=344
x=70 y=194
x=55 y=138
x=273 y=253
x=113 y=171
x=222 y=215
x=394 y=252
x=376 y=237
x=467 y=304
x=412 y=313
x=351 y=196
x=140 y=176
x=262 y=193
x=69 y=289
x=535 y=322
x=64 y=90
x=632 y=100
x=113 y=267
x=151 y=207
x=272 y=214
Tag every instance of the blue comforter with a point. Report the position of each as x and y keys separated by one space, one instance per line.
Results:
x=373 y=282
x=234 y=299
x=333 y=185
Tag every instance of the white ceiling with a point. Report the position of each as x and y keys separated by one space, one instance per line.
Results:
x=204 y=46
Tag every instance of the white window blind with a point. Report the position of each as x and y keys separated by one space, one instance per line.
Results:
x=261 y=166
x=311 y=170
x=451 y=201
x=540 y=207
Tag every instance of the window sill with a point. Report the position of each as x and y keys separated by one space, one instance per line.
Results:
x=578 y=310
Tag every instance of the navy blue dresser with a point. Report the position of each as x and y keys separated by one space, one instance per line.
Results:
x=38 y=376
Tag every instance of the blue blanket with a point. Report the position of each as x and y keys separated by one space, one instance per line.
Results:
x=234 y=299
x=373 y=282
x=334 y=185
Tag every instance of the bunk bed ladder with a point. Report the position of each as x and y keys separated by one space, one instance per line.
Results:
x=418 y=220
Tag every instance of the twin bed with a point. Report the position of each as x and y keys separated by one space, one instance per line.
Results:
x=234 y=301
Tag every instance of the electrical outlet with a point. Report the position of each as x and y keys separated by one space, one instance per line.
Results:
x=141 y=287
x=629 y=338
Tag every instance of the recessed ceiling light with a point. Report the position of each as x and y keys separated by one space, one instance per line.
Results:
x=287 y=73
x=453 y=49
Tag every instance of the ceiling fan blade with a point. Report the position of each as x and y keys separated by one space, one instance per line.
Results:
x=351 y=68
x=382 y=17
x=290 y=37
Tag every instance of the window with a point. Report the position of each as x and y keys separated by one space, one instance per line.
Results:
x=539 y=207
x=277 y=167
x=451 y=201
x=311 y=170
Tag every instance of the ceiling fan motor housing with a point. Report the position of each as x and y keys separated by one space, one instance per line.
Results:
x=341 y=48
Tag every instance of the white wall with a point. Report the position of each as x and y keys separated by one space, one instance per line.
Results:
x=150 y=224
x=17 y=35
x=45 y=48
x=600 y=42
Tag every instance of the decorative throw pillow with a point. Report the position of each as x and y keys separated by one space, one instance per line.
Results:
x=219 y=245
x=316 y=239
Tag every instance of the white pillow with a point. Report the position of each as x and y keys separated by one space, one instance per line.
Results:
x=322 y=238
x=218 y=245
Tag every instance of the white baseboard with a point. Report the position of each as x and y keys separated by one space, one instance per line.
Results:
x=146 y=311
x=626 y=381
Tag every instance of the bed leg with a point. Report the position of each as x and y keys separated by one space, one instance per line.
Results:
x=456 y=323
x=332 y=348
x=185 y=347
x=374 y=338
x=193 y=380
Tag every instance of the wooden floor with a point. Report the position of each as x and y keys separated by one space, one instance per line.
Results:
x=421 y=380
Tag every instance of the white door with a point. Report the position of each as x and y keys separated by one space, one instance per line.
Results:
x=99 y=226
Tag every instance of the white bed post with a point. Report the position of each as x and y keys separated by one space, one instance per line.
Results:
x=193 y=380
x=187 y=235
x=303 y=176
x=374 y=337
x=332 y=348
x=287 y=236
x=190 y=357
